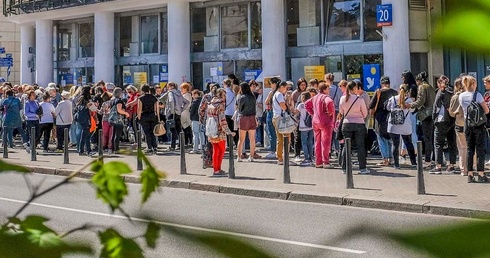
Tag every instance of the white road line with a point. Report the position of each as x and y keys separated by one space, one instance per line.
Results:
x=270 y=239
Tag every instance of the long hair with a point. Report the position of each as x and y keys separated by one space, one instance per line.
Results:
x=85 y=97
x=408 y=78
x=469 y=83
x=245 y=89
x=404 y=91
x=350 y=87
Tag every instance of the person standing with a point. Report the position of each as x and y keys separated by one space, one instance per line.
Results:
x=147 y=116
x=409 y=80
x=247 y=121
x=301 y=85
x=271 y=131
x=259 y=139
x=197 y=128
x=82 y=117
x=31 y=114
x=46 y=122
x=230 y=107
x=175 y=103
x=12 y=119
x=279 y=106
x=185 y=118
x=64 y=118
x=117 y=128
x=456 y=111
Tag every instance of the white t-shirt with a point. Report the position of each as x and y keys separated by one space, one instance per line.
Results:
x=406 y=127
x=302 y=116
x=465 y=99
x=276 y=108
x=48 y=110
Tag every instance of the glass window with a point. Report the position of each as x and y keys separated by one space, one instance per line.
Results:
x=125 y=32
x=418 y=62
x=370 y=25
x=333 y=64
x=234 y=26
x=86 y=39
x=304 y=22
x=343 y=20
x=243 y=65
x=256 y=25
x=164 y=33
x=292 y=16
x=149 y=34
x=197 y=76
x=198 y=29
x=353 y=64
x=64 y=44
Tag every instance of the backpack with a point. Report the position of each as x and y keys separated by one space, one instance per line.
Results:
x=82 y=115
x=39 y=110
x=211 y=127
x=397 y=115
x=308 y=120
x=114 y=117
x=475 y=116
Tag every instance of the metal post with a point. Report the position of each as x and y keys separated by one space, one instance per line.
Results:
x=66 y=157
x=420 y=170
x=139 y=162
x=99 y=145
x=33 y=144
x=348 y=163
x=5 y=146
x=287 y=172
x=183 y=167
x=231 y=157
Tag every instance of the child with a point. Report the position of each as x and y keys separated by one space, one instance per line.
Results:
x=197 y=127
x=306 y=130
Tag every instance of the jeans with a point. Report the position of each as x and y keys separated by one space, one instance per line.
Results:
x=384 y=147
x=75 y=133
x=271 y=131
x=357 y=132
x=428 y=130
x=10 y=135
x=198 y=135
x=117 y=131
x=45 y=129
x=30 y=124
x=442 y=132
x=307 y=144
x=475 y=137
x=60 y=136
x=413 y=117
x=218 y=155
x=323 y=143
x=259 y=134
x=84 y=143
x=407 y=139
x=151 y=139
x=106 y=135
x=176 y=130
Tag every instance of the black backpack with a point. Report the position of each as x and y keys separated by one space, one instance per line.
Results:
x=475 y=116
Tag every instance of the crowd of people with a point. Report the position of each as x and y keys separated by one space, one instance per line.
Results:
x=449 y=118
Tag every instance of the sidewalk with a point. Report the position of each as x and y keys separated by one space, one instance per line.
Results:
x=447 y=194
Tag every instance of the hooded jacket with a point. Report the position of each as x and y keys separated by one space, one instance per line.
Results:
x=216 y=110
x=443 y=101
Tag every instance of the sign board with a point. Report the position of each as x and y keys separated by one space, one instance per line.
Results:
x=267 y=81
x=384 y=15
x=6 y=61
x=314 y=72
x=220 y=69
x=9 y=55
x=372 y=77
x=140 y=78
x=251 y=74
x=128 y=79
x=2 y=50
x=164 y=76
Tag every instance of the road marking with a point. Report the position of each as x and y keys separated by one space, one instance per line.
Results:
x=270 y=239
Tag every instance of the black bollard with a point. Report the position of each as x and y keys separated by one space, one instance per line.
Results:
x=287 y=172
x=99 y=145
x=183 y=167
x=231 y=157
x=5 y=146
x=348 y=163
x=139 y=162
x=420 y=170
x=33 y=144
x=66 y=157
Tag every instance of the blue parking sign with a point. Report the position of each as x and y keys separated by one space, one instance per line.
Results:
x=384 y=15
x=371 y=77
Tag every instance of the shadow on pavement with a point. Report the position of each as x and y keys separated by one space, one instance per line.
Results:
x=445 y=195
x=252 y=178
x=293 y=183
x=389 y=174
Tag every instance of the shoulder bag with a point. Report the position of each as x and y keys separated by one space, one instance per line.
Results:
x=159 y=128
x=286 y=123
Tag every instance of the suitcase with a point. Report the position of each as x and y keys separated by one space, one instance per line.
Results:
x=207 y=156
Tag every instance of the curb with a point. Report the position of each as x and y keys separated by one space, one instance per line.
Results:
x=423 y=208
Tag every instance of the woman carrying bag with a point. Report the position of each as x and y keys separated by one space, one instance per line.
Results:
x=147 y=116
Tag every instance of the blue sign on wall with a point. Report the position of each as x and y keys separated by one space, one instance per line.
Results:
x=251 y=74
x=384 y=15
x=372 y=77
x=68 y=78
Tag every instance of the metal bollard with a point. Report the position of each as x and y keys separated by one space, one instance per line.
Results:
x=33 y=144
x=66 y=157
x=139 y=162
x=420 y=170
x=5 y=146
x=99 y=145
x=287 y=172
x=348 y=163
x=231 y=158
x=183 y=166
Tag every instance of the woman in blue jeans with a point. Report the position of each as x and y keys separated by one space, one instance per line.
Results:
x=12 y=119
x=32 y=118
x=83 y=119
x=271 y=131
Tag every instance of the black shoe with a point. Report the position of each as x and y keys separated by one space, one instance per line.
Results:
x=482 y=179
x=221 y=173
x=452 y=170
x=436 y=171
x=470 y=179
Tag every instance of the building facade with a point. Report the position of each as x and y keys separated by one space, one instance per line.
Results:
x=10 y=41
x=155 y=41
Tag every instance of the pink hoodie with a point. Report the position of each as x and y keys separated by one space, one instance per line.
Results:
x=322 y=108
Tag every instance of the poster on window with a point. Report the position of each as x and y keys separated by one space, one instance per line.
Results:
x=314 y=72
x=140 y=78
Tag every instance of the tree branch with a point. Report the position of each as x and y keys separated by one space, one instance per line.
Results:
x=29 y=184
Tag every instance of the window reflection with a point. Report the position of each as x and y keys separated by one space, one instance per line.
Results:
x=64 y=44
x=198 y=29
x=256 y=25
x=86 y=39
x=345 y=19
x=149 y=34
x=370 y=25
x=164 y=26
x=234 y=26
x=125 y=32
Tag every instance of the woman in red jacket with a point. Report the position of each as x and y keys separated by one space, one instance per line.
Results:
x=322 y=109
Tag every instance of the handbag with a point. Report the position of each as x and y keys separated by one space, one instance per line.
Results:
x=286 y=124
x=159 y=128
x=340 y=134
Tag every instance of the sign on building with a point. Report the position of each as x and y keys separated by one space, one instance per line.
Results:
x=384 y=15
x=372 y=77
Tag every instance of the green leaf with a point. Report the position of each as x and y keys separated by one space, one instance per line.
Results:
x=150 y=178
x=109 y=183
x=116 y=246
x=152 y=234
x=225 y=245
x=460 y=240
x=7 y=167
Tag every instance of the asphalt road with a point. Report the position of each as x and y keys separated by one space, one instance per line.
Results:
x=283 y=228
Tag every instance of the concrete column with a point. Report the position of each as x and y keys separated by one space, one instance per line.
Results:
x=396 y=44
x=179 y=47
x=274 y=39
x=104 y=46
x=26 y=41
x=44 y=52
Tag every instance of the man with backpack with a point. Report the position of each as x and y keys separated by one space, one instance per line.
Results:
x=175 y=103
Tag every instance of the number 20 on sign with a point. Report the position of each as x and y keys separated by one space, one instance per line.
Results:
x=384 y=15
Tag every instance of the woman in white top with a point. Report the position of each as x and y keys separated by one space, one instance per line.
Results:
x=475 y=136
x=278 y=107
x=47 y=121
x=401 y=126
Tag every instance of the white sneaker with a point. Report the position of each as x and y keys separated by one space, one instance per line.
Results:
x=238 y=159
x=250 y=159
x=26 y=146
x=488 y=162
x=297 y=159
x=271 y=155
x=280 y=163
x=365 y=171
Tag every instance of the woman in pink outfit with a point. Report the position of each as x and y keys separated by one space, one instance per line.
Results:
x=322 y=109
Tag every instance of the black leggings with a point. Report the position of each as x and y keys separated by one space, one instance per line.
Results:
x=407 y=139
x=45 y=129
